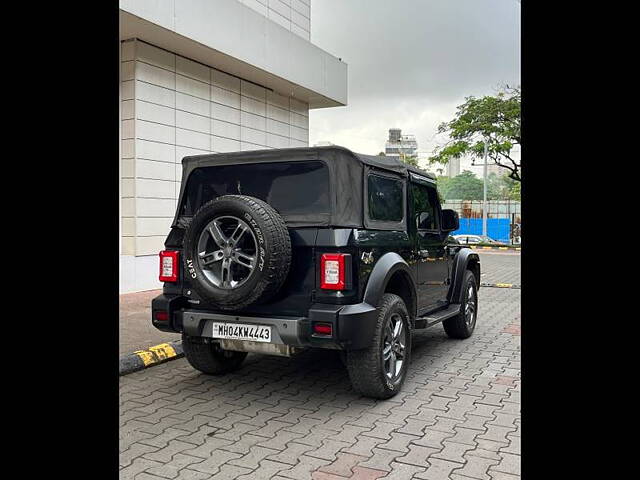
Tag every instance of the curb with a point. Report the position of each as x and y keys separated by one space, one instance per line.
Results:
x=501 y=285
x=141 y=359
x=494 y=248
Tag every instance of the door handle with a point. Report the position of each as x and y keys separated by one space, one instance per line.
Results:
x=423 y=253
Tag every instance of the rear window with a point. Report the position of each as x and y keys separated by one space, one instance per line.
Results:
x=299 y=191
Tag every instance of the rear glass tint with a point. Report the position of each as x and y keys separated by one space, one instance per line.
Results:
x=294 y=189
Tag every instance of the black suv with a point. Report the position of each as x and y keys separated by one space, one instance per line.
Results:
x=276 y=251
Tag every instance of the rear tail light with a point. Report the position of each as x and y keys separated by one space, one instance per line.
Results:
x=332 y=271
x=322 y=328
x=169 y=266
x=161 y=315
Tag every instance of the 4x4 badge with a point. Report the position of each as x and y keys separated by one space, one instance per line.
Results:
x=367 y=257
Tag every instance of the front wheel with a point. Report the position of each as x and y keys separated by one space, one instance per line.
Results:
x=209 y=357
x=463 y=324
x=379 y=370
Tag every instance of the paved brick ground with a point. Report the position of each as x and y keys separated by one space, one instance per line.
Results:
x=457 y=417
x=500 y=267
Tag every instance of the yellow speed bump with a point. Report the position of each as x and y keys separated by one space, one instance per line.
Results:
x=146 y=357
x=163 y=351
x=503 y=285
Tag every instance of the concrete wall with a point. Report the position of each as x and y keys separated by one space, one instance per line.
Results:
x=172 y=107
x=236 y=38
x=294 y=15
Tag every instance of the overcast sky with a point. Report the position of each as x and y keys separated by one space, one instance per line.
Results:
x=410 y=63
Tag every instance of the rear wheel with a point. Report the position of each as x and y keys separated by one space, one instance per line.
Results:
x=379 y=370
x=463 y=324
x=209 y=357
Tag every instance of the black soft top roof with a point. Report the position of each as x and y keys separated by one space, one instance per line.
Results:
x=332 y=152
x=346 y=170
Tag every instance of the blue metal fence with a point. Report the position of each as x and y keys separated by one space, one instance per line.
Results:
x=497 y=228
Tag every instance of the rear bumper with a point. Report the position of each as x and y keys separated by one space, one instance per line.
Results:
x=352 y=325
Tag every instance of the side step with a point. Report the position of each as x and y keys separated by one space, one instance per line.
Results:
x=437 y=317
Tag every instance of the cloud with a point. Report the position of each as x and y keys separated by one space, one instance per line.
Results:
x=411 y=63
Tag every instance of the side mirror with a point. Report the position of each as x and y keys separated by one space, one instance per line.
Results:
x=450 y=221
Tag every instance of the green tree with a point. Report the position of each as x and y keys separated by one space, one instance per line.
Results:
x=382 y=154
x=442 y=184
x=409 y=159
x=465 y=186
x=494 y=118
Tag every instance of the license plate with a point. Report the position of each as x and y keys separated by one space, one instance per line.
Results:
x=240 y=331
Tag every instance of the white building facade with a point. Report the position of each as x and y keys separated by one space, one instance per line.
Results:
x=201 y=76
x=400 y=145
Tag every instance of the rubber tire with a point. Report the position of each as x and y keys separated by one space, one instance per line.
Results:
x=267 y=225
x=456 y=327
x=365 y=366
x=209 y=358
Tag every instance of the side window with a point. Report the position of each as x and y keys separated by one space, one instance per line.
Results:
x=473 y=240
x=424 y=206
x=385 y=198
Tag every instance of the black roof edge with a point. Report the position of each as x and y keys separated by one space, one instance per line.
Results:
x=378 y=161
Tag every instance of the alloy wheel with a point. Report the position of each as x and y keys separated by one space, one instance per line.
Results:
x=394 y=347
x=227 y=252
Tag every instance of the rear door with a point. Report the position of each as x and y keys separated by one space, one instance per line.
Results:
x=433 y=269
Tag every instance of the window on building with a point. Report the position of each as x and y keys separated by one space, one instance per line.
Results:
x=385 y=198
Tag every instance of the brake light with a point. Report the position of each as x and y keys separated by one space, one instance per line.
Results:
x=169 y=266
x=332 y=271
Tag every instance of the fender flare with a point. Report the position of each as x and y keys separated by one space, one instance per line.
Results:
x=461 y=261
x=383 y=270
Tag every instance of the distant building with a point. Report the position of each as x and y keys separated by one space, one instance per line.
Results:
x=453 y=168
x=399 y=144
x=497 y=169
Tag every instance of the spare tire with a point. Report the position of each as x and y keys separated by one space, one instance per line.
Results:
x=237 y=251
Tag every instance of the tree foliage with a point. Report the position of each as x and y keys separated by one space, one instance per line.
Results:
x=409 y=159
x=494 y=118
x=465 y=186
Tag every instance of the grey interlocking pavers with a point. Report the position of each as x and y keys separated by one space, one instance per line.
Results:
x=291 y=453
x=417 y=455
x=453 y=452
x=166 y=453
x=403 y=471
x=328 y=450
x=438 y=469
x=509 y=463
x=243 y=444
x=214 y=461
x=476 y=467
x=172 y=468
x=399 y=442
x=253 y=457
x=458 y=415
x=267 y=470
x=381 y=459
x=303 y=469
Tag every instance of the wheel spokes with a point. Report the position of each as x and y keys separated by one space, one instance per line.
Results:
x=218 y=237
x=386 y=352
x=226 y=273
x=244 y=259
x=212 y=257
x=237 y=234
